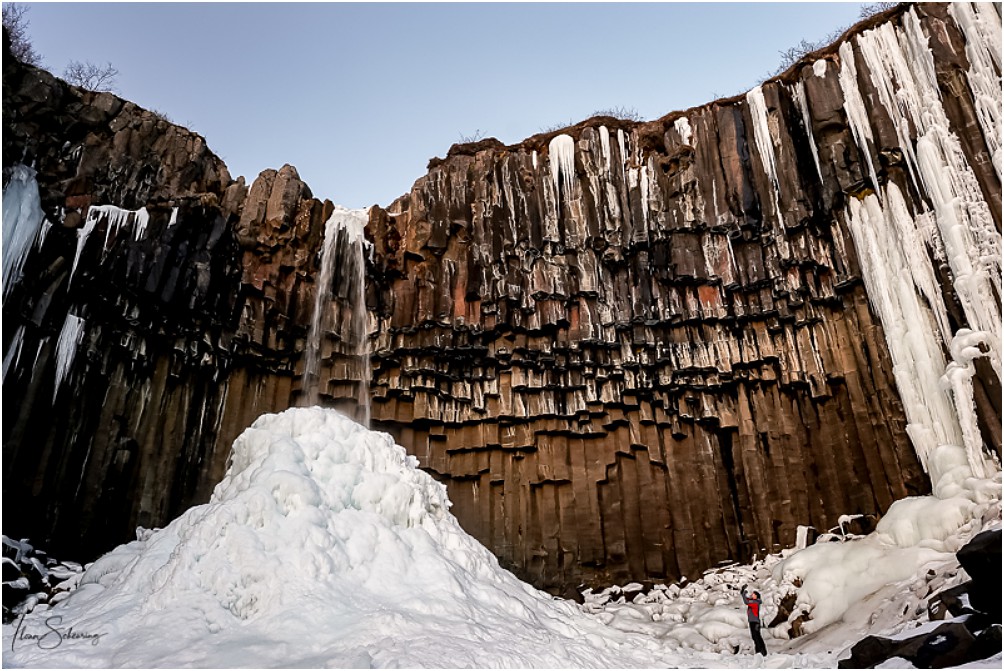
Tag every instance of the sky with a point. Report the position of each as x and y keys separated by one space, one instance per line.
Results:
x=359 y=97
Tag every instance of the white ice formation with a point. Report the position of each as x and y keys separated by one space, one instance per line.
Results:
x=324 y=545
x=22 y=219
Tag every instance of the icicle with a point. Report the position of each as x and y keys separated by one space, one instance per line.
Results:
x=972 y=245
x=115 y=219
x=140 y=222
x=761 y=133
x=819 y=68
x=765 y=145
x=982 y=28
x=13 y=354
x=70 y=338
x=561 y=154
x=605 y=146
x=958 y=378
x=43 y=233
x=174 y=217
x=798 y=93
x=902 y=287
x=22 y=217
x=82 y=234
x=682 y=126
x=854 y=106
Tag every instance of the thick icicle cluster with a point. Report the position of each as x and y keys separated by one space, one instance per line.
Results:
x=900 y=249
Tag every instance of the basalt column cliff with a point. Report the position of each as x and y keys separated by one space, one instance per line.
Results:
x=630 y=350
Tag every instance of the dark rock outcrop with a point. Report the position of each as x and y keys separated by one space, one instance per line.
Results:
x=981 y=557
x=31 y=577
x=975 y=632
x=947 y=645
x=630 y=350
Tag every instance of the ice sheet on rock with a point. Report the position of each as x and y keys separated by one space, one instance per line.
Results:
x=854 y=107
x=22 y=218
x=762 y=135
x=981 y=26
x=682 y=126
x=604 y=147
x=961 y=229
x=901 y=293
x=70 y=337
x=765 y=147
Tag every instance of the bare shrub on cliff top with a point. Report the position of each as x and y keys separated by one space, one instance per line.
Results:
x=16 y=22
x=626 y=113
x=477 y=136
x=792 y=55
x=90 y=76
x=868 y=11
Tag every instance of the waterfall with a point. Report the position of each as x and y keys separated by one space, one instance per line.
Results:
x=343 y=258
x=360 y=324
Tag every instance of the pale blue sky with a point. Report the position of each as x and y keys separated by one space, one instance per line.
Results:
x=360 y=96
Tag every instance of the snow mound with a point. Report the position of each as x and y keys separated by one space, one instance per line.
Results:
x=324 y=545
x=916 y=534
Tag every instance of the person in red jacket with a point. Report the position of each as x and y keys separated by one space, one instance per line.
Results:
x=753 y=616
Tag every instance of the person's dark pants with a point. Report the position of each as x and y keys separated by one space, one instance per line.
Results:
x=761 y=648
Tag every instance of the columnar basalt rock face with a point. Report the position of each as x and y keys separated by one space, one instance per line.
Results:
x=630 y=350
x=161 y=311
x=640 y=349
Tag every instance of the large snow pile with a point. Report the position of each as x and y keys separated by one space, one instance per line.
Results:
x=324 y=545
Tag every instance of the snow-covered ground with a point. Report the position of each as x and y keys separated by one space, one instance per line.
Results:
x=326 y=546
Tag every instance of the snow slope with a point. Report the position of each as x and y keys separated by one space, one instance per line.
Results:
x=326 y=546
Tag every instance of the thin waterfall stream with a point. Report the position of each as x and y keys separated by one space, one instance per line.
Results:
x=343 y=258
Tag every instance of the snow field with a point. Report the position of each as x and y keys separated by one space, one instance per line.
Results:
x=325 y=545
